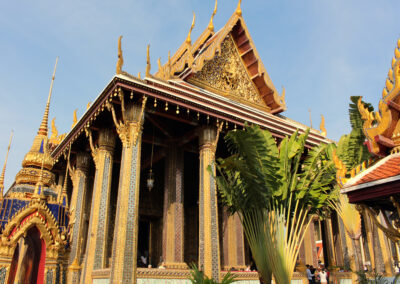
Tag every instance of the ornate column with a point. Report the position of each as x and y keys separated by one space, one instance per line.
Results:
x=330 y=244
x=5 y=265
x=385 y=250
x=79 y=177
x=98 y=225
x=124 y=253
x=209 y=258
x=173 y=222
x=233 y=242
x=310 y=249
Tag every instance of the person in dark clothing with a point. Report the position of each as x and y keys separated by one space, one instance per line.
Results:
x=310 y=275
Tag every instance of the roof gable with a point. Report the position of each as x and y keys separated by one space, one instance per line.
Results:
x=192 y=63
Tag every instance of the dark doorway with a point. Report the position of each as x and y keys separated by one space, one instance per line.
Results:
x=143 y=244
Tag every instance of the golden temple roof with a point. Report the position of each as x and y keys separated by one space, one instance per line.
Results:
x=382 y=128
x=190 y=59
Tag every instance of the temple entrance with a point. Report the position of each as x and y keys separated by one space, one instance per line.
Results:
x=29 y=259
x=144 y=244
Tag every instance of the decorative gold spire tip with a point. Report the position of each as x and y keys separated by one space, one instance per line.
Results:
x=189 y=39
x=74 y=119
x=148 y=66
x=120 y=61
x=322 y=126
x=43 y=129
x=239 y=9
x=211 y=24
x=4 y=167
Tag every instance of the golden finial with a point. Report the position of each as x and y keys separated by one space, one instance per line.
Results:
x=322 y=126
x=366 y=115
x=43 y=126
x=4 y=167
x=309 y=112
x=148 y=67
x=169 y=66
x=75 y=119
x=120 y=61
x=159 y=64
x=189 y=39
x=139 y=75
x=54 y=131
x=88 y=105
x=211 y=24
x=239 y=9
x=283 y=94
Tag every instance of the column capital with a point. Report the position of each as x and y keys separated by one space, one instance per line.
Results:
x=208 y=138
x=131 y=124
x=83 y=161
x=106 y=139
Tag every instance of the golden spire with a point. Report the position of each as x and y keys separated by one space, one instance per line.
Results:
x=120 y=61
x=148 y=66
x=39 y=156
x=189 y=39
x=211 y=24
x=4 y=167
x=322 y=126
x=43 y=126
x=239 y=9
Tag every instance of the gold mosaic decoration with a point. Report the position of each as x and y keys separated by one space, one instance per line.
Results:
x=227 y=75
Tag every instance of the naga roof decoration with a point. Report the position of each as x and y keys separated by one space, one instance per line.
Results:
x=230 y=49
x=382 y=128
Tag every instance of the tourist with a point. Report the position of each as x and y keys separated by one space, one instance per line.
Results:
x=323 y=276
x=309 y=274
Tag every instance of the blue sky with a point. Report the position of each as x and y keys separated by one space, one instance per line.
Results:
x=321 y=51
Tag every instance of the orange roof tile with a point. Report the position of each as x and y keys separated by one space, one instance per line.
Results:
x=385 y=168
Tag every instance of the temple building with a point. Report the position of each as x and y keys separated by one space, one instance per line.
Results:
x=375 y=186
x=126 y=195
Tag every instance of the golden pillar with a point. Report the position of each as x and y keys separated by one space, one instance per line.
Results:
x=98 y=225
x=310 y=248
x=233 y=242
x=79 y=177
x=330 y=246
x=209 y=258
x=173 y=220
x=124 y=254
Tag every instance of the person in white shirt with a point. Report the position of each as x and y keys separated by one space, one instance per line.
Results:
x=323 y=276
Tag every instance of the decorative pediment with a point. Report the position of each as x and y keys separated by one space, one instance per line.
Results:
x=241 y=75
x=226 y=74
x=35 y=214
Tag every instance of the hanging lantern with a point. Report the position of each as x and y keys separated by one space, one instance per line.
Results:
x=150 y=180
